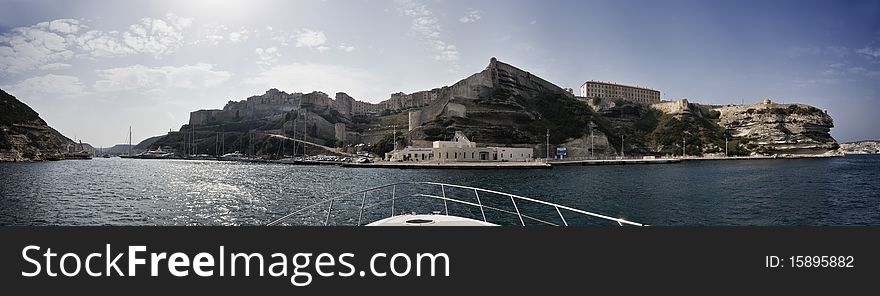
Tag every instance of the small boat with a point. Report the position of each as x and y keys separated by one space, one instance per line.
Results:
x=81 y=154
x=472 y=206
x=201 y=157
x=233 y=156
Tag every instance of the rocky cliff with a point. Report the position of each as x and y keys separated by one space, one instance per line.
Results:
x=861 y=147
x=771 y=128
x=506 y=106
x=24 y=136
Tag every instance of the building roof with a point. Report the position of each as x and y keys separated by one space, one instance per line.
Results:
x=617 y=84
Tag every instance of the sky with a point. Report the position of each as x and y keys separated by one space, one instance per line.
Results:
x=94 y=68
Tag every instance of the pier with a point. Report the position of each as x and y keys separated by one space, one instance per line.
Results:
x=451 y=165
x=614 y=161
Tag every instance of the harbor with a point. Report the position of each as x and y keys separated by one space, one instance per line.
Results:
x=210 y=192
x=621 y=161
x=452 y=165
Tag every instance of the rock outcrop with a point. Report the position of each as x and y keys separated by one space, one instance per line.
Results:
x=861 y=147
x=24 y=136
x=772 y=128
x=504 y=105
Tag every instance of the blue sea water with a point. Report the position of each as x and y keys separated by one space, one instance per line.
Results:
x=824 y=191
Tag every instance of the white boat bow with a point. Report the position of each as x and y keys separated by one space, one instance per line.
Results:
x=490 y=203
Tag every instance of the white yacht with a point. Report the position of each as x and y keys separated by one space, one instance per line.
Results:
x=429 y=203
x=155 y=154
x=233 y=156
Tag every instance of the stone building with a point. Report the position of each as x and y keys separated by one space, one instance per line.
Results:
x=607 y=90
x=460 y=149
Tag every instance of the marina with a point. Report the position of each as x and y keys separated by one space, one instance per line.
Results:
x=451 y=165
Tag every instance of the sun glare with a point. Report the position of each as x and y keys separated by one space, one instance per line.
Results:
x=218 y=9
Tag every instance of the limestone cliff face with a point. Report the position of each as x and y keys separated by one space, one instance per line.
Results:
x=774 y=128
x=505 y=105
x=24 y=136
x=861 y=147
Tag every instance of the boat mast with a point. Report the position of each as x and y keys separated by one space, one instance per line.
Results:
x=129 y=140
x=294 y=132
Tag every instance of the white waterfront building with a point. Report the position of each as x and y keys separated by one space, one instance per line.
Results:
x=460 y=149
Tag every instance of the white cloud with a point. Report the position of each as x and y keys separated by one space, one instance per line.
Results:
x=38 y=46
x=27 y=48
x=55 y=66
x=65 y=26
x=212 y=33
x=157 y=36
x=309 y=38
x=345 y=48
x=297 y=77
x=870 y=53
x=267 y=56
x=215 y=33
x=470 y=16
x=47 y=87
x=427 y=27
x=139 y=77
x=857 y=70
x=103 y=44
x=239 y=36
x=533 y=22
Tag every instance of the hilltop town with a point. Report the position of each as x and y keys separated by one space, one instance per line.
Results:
x=493 y=112
x=504 y=106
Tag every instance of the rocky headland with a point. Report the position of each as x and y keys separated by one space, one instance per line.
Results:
x=24 y=136
x=506 y=106
x=861 y=147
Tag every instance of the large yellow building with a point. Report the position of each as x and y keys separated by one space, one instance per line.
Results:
x=607 y=90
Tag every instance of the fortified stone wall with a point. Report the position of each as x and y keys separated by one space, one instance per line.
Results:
x=415 y=119
x=673 y=107
x=505 y=74
x=453 y=109
x=339 y=128
x=343 y=103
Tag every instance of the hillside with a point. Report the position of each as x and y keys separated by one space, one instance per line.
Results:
x=506 y=106
x=24 y=136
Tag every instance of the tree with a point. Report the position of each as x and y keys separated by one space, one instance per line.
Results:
x=386 y=144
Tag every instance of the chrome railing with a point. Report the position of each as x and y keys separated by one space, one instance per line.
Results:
x=446 y=200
